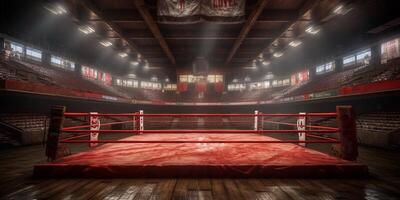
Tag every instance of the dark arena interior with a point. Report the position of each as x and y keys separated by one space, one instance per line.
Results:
x=199 y=99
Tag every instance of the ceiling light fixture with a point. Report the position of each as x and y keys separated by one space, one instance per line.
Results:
x=86 y=29
x=278 y=54
x=339 y=10
x=131 y=75
x=295 y=43
x=105 y=43
x=154 y=78
x=56 y=9
x=123 y=55
x=312 y=30
x=266 y=63
x=134 y=63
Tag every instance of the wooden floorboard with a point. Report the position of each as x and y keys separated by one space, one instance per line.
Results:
x=16 y=183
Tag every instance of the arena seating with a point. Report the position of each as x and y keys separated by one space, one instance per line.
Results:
x=349 y=77
x=379 y=129
x=26 y=121
x=333 y=81
x=53 y=76
x=28 y=127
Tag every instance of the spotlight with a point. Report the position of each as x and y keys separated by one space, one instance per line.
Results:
x=269 y=76
x=146 y=66
x=105 y=43
x=167 y=80
x=312 y=30
x=278 y=54
x=131 y=75
x=56 y=9
x=154 y=78
x=123 y=55
x=260 y=57
x=265 y=63
x=339 y=10
x=134 y=63
x=295 y=43
x=254 y=64
x=86 y=29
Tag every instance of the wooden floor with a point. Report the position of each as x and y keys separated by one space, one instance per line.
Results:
x=16 y=183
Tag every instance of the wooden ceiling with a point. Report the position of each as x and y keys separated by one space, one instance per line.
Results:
x=132 y=26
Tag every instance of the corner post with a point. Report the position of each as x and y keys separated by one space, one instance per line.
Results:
x=301 y=127
x=256 y=120
x=53 y=135
x=141 y=121
x=94 y=121
x=348 y=147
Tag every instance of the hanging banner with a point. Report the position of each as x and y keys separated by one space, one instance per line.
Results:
x=201 y=87
x=219 y=87
x=182 y=87
x=192 y=11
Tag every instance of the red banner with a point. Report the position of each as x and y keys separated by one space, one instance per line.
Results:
x=182 y=87
x=219 y=87
x=371 y=87
x=201 y=87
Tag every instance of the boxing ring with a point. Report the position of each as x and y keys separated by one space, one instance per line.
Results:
x=201 y=145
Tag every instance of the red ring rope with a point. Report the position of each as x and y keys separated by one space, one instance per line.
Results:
x=198 y=141
x=205 y=115
x=202 y=131
x=307 y=126
x=105 y=124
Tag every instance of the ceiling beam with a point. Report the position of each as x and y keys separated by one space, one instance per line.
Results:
x=251 y=20
x=141 y=7
x=277 y=16
x=88 y=5
x=307 y=6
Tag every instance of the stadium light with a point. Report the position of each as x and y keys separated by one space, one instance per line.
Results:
x=86 y=29
x=295 y=43
x=123 y=55
x=154 y=78
x=56 y=9
x=312 y=30
x=339 y=9
x=131 y=75
x=134 y=63
x=105 y=43
x=278 y=54
x=266 y=63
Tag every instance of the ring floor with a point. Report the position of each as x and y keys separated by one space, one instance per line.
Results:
x=200 y=160
x=16 y=182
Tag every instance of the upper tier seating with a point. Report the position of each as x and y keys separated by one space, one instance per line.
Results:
x=31 y=72
x=349 y=77
x=54 y=76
